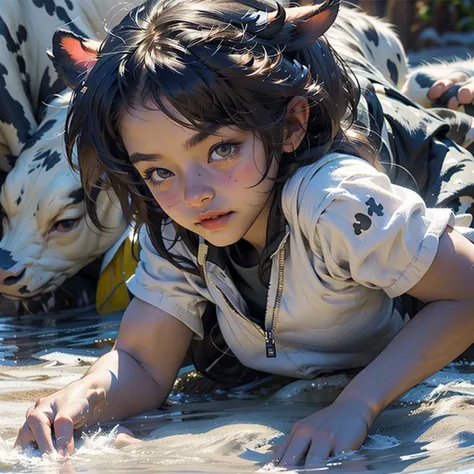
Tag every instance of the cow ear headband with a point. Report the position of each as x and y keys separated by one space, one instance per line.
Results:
x=294 y=27
x=73 y=56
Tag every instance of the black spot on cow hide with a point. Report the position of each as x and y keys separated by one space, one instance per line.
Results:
x=21 y=64
x=69 y=4
x=372 y=35
x=63 y=15
x=48 y=5
x=21 y=34
x=60 y=12
x=423 y=80
x=14 y=48
x=39 y=134
x=77 y=196
x=48 y=158
x=23 y=290
x=46 y=92
x=18 y=201
x=393 y=70
x=399 y=57
x=448 y=175
x=11 y=111
x=5 y=32
x=470 y=210
x=6 y=259
x=455 y=205
x=31 y=142
x=355 y=48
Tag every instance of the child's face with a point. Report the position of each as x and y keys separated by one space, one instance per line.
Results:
x=194 y=176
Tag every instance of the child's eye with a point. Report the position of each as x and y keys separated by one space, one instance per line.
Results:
x=223 y=151
x=157 y=175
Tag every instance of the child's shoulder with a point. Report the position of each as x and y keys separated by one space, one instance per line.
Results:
x=313 y=185
x=332 y=169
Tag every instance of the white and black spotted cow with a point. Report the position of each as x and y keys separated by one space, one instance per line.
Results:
x=47 y=237
x=27 y=79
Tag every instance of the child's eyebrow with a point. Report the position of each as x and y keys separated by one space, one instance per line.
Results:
x=195 y=140
x=202 y=135
x=137 y=157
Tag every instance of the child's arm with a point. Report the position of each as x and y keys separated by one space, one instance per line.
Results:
x=134 y=377
x=435 y=336
x=441 y=331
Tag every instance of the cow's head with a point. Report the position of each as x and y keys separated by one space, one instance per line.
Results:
x=47 y=236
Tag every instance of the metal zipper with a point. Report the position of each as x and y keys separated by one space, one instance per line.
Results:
x=270 y=346
x=268 y=334
x=202 y=260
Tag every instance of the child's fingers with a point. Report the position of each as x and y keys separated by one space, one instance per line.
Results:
x=466 y=93
x=453 y=103
x=438 y=88
x=296 y=451
x=64 y=434
x=126 y=438
x=40 y=426
x=442 y=85
x=25 y=437
x=449 y=98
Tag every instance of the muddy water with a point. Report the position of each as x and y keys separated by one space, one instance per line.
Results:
x=429 y=430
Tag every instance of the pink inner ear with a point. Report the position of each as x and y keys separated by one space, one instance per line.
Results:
x=299 y=13
x=318 y=24
x=85 y=52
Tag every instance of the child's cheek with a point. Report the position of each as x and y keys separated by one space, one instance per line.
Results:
x=166 y=195
x=246 y=173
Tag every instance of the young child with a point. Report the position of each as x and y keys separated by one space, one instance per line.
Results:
x=226 y=129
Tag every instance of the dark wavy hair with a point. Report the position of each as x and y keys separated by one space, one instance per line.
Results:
x=217 y=63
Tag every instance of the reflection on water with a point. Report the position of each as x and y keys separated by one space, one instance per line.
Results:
x=21 y=338
x=428 y=430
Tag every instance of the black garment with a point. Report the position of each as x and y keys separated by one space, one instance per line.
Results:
x=243 y=262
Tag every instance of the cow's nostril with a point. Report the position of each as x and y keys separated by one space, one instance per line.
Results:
x=11 y=280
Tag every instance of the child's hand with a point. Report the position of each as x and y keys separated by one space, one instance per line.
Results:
x=57 y=416
x=453 y=91
x=340 y=427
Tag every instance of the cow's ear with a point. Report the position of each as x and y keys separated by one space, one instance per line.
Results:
x=73 y=56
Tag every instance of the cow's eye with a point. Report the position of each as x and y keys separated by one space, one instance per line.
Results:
x=66 y=225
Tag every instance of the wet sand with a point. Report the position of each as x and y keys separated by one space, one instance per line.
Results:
x=430 y=427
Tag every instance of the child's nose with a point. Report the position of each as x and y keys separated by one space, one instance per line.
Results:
x=197 y=194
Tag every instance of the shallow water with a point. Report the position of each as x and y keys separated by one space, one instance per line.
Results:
x=428 y=430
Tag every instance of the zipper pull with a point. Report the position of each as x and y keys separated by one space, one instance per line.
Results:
x=202 y=252
x=270 y=344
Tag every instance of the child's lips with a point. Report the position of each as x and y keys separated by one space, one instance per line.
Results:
x=218 y=221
